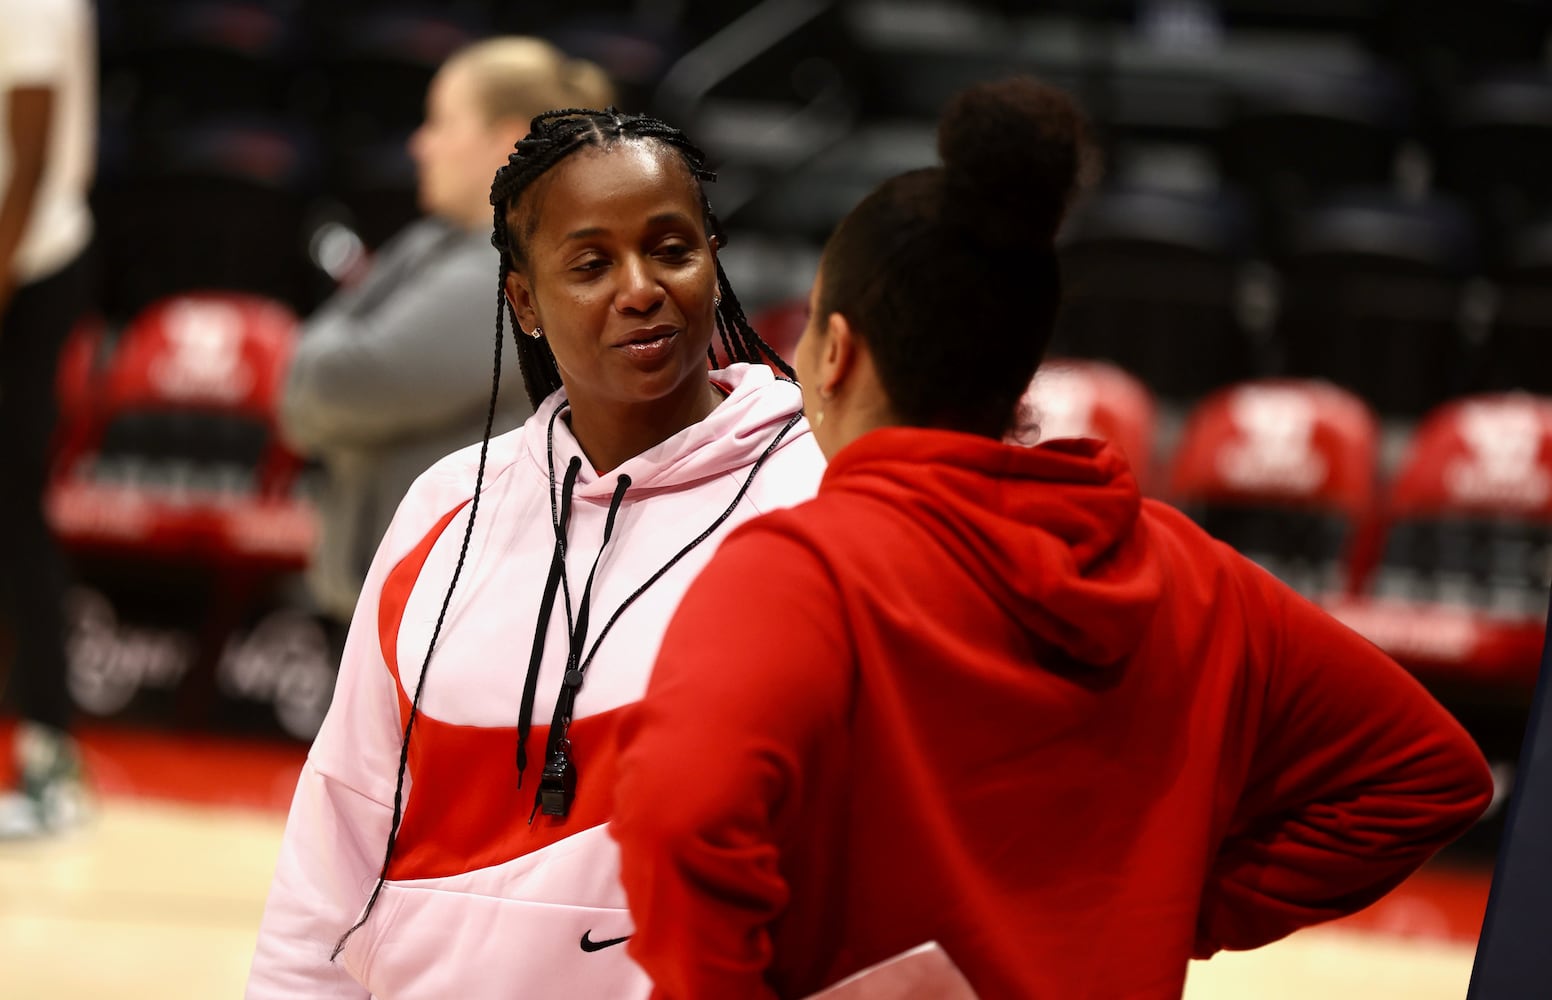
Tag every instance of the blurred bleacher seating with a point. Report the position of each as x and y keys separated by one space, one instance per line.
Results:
x=1352 y=196
x=1373 y=293
x=1513 y=353
x=1153 y=283
x=1459 y=591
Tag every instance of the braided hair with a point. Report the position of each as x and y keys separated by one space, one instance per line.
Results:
x=552 y=137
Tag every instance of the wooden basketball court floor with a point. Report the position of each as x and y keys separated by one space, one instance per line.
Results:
x=159 y=897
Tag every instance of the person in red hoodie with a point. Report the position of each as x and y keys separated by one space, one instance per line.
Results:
x=1004 y=703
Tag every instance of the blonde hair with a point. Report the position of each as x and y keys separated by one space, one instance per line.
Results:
x=520 y=77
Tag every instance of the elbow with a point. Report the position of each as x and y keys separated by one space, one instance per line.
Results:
x=1470 y=783
x=317 y=407
x=310 y=384
x=1457 y=792
x=1476 y=787
x=296 y=420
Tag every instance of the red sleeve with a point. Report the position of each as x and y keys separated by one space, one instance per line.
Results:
x=1357 y=777
x=714 y=760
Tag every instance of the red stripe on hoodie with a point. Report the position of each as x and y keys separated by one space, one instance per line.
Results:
x=467 y=812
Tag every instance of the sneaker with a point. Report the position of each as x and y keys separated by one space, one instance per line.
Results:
x=53 y=796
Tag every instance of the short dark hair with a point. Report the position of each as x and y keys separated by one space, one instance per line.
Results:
x=949 y=273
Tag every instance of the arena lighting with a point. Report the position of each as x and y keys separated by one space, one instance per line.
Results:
x=1513 y=961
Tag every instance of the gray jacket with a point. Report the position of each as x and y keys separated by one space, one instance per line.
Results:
x=389 y=376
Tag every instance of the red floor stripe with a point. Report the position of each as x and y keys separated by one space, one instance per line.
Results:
x=198 y=768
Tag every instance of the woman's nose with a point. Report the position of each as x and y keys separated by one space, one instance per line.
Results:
x=639 y=290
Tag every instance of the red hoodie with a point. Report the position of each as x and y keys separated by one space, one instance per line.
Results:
x=1002 y=702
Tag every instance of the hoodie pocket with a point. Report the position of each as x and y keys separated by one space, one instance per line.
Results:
x=440 y=943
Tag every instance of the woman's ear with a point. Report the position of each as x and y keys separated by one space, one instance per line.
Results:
x=520 y=295
x=837 y=354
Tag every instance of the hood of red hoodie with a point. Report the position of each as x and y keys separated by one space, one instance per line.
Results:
x=1051 y=531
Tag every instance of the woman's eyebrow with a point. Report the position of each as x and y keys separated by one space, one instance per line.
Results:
x=656 y=220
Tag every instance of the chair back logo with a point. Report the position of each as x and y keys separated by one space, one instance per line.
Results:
x=204 y=357
x=1502 y=459
x=1274 y=451
x=1063 y=403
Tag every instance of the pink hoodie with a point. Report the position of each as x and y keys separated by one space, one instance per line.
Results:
x=479 y=901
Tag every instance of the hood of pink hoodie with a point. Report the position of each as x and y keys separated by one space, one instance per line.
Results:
x=736 y=433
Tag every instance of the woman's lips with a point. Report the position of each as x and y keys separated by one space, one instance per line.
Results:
x=650 y=345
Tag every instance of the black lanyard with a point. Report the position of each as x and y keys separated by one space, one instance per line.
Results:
x=557 y=784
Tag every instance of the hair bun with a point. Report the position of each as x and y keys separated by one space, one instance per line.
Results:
x=1014 y=154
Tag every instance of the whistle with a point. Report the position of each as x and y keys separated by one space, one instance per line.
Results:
x=557 y=784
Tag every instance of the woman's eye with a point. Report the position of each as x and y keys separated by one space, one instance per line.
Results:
x=591 y=264
x=674 y=251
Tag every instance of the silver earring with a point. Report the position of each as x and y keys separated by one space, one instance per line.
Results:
x=538 y=332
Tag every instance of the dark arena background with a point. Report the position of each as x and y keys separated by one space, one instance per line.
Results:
x=1310 y=298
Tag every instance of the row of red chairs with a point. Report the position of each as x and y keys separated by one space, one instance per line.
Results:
x=1445 y=562
x=168 y=454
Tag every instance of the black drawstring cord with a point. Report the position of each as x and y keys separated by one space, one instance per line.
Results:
x=572 y=681
x=739 y=496
x=579 y=630
x=558 y=746
x=546 y=605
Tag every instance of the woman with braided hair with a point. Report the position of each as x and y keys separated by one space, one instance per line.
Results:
x=1017 y=709
x=448 y=838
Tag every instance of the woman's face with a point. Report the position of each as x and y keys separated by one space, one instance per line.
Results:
x=457 y=149
x=620 y=275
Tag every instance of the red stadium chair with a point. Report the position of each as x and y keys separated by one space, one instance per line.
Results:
x=1283 y=470
x=176 y=457
x=1459 y=594
x=1078 y=398
x=186 y=518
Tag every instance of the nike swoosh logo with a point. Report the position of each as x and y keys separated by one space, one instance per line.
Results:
x=588 y=944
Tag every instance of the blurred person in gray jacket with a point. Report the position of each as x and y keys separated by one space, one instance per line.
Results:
x=393 y=372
